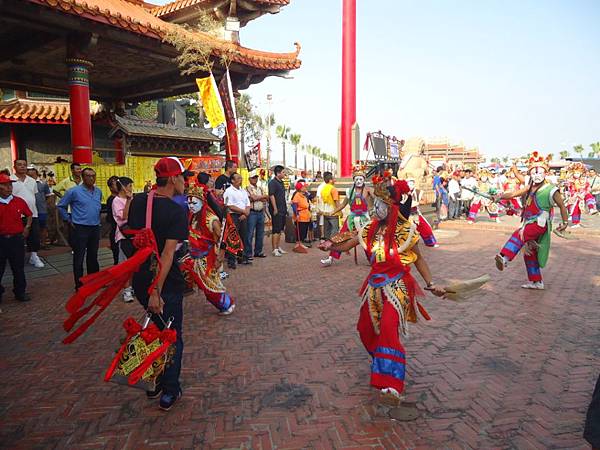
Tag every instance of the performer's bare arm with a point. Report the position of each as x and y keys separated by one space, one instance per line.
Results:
x=343 y=247
x=156 y=303
x=342 y=206
x=512 y=194
x=423 y=269
x=564 y=214
x=518 y=175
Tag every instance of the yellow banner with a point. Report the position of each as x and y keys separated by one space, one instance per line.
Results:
x=210 y=101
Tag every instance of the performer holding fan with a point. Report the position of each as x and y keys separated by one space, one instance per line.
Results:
x=390 y=292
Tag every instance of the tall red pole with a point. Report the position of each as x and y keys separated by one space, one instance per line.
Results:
x=79 y=101
x=14 y=146
x=348 y=86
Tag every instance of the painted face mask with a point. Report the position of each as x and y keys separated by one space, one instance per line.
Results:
x=577 y=174
x=484 y=179
x=538 y=175
x=380 y=209
x=195 y=204
x=411 y=184
x=359 y=181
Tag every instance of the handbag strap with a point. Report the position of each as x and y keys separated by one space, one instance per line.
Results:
x=149 y=204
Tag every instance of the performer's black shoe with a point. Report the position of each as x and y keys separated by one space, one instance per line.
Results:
x=24 y=298
x=168 y=400
x=155 y=393
x=262 y=255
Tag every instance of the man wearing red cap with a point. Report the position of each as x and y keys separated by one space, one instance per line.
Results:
x=12 y=235
x=168 y=222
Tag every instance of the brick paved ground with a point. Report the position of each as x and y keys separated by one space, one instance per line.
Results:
x=510 y=369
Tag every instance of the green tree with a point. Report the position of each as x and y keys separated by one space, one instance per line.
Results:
x=147 y=110
x=283 y=133
x=249 y=121
x=505 y=160
x=578 y=149
x=595 y=149
x=267 y=123
x=295 y=141
x=564 y=154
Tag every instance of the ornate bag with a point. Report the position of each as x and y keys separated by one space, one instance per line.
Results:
x=144 y=354
x=340 y=238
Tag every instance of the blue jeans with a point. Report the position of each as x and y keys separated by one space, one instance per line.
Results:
x=256 y=222
x=173 y=309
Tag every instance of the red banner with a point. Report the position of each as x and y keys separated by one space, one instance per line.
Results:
x=233 y=143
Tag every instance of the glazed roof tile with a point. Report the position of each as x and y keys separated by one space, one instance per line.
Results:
x=135 y=18
x=34 y=111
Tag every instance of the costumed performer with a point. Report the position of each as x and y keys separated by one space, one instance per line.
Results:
x=389 y=293
x=423 y=226
x=485 y=189
x=540 y=198
x=513 y=205
x=202 y=263
x=359 y=197
x=578 y=193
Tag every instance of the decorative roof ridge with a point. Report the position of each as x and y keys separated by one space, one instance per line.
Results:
x=177 y=5
x=132 y=120
x=156 y=28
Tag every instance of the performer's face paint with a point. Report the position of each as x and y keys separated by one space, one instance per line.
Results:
x=484 y=179
x=359 y=181
x=411 y=184
x=577 y=175
x=380 y=209
x=195 y=204
x=538 y=174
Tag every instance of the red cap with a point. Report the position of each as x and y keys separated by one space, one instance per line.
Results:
x=168 y=167
x=300 y=185
x=5 y=179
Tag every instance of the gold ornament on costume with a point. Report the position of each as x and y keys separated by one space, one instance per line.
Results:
x=537 y=160
x=195 y=191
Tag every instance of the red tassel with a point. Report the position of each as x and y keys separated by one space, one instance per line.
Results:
x=168 y=337
x=132 y=328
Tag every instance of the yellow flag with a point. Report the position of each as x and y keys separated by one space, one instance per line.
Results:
x=210 y=101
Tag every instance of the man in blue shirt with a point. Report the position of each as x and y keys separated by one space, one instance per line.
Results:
x=85 y=201
x=437 y=184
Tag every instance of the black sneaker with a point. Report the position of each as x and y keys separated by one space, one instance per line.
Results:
x=155 y=393
x=168 y=400
x=246 y=262
x=24 y=298
x=262 y=255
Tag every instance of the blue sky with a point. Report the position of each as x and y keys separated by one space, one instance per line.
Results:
x=506 y=76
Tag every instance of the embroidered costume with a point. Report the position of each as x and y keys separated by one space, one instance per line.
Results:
x=512 y=206
x=579 y=196
x=423 y=226
x=200 y=265
x=482 y=199
x=536 y=228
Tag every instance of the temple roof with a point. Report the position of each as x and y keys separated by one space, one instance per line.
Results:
x=21 y=110
x=185 y=11
x=132 y=127
x=135 y=18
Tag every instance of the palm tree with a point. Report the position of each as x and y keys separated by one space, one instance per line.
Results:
x=317 y=154
x=295 y=140
x=596 y=149
x=564 y=154
x=283 y=133
x=325 y=158
x=505 y=160
x=305 y=152
x=578 y=149
x=268 y=124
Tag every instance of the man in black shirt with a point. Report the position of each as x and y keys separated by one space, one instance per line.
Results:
x=278 y=209
x=224 y=180
x=169 y=224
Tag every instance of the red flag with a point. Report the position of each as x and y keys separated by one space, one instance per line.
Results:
x=226 y=94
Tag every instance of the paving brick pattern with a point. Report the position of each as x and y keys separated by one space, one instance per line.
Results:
x=509 y=369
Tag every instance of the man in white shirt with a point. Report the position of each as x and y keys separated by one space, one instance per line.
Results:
x=26 y=187
x=466 y=197
x=238 y=205
x=454 y=197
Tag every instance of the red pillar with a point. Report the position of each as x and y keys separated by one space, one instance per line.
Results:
x=348 y=86
x=119 y=151
x=14 y=146
x=79 y=101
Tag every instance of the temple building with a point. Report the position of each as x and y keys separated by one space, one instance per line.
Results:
x=58 y=55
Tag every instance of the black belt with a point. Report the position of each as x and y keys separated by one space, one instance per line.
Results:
x=257 y=210
x=8 y=236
